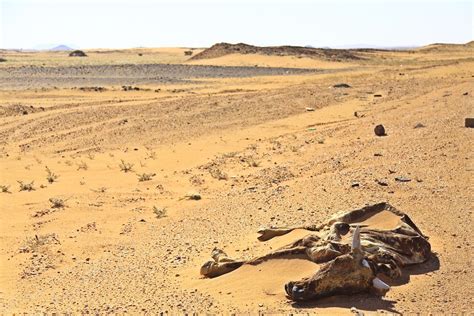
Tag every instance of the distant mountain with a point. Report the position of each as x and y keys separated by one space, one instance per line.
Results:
x=54 y=46
x=370 y=46
x=61 y=48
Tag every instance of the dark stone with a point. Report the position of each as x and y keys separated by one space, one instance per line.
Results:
x=377 y=95
x=379 y=130
x=469 y=122
x=402 y=179
x=419 y=125
x=341 y=85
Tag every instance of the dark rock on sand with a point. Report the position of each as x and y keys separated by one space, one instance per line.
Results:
x=379 y=130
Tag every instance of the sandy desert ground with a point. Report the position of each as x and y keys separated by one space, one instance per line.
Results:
x=114 y=230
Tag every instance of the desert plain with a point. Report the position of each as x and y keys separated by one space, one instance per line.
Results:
x=103 y=159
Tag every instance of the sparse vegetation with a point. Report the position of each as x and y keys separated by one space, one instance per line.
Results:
x=151 y=155
x=57 y=203
x=33 y=244
x=252 y=147
x=91 y=156
x=51 y=176
x=100 y=190
x=159 y=212
x=77 y=53
x=125 y=166
x=26 y=186
x=82 y=166
x=5 y=188
x=2 y=60
x=218 y=174
x=251 y=162
x=146 y=176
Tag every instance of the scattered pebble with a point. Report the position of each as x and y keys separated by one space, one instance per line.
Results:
x=402 y=179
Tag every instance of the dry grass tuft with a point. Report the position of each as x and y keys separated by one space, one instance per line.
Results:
x=146 y=176
x=33 y=244
x=151 y=155
x=82 y=166
x=218 y=174
x=51 y=176
x=26 y=186
x=251 y=162
x=100 y=190
x=160 y=212
x=5 y=188
x=125 y=166
x=57 y=203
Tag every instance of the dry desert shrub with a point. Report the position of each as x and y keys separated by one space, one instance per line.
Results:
x=160 y=212
x=82 y=166
x=252 y=147
x=251 y=162
x=151 y=155
x=51 y=176
x=26 y=186
x=146 y=176
x=125 y=166
x=218 y=173
x=2 y=60
x=33 y=244
x=57 y=203
x=100 y=190
x=5 y=188
x=77 y=53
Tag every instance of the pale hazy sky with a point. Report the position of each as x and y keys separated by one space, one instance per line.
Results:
x=136 y=23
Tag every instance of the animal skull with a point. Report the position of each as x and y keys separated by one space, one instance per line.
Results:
x=347 y=274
